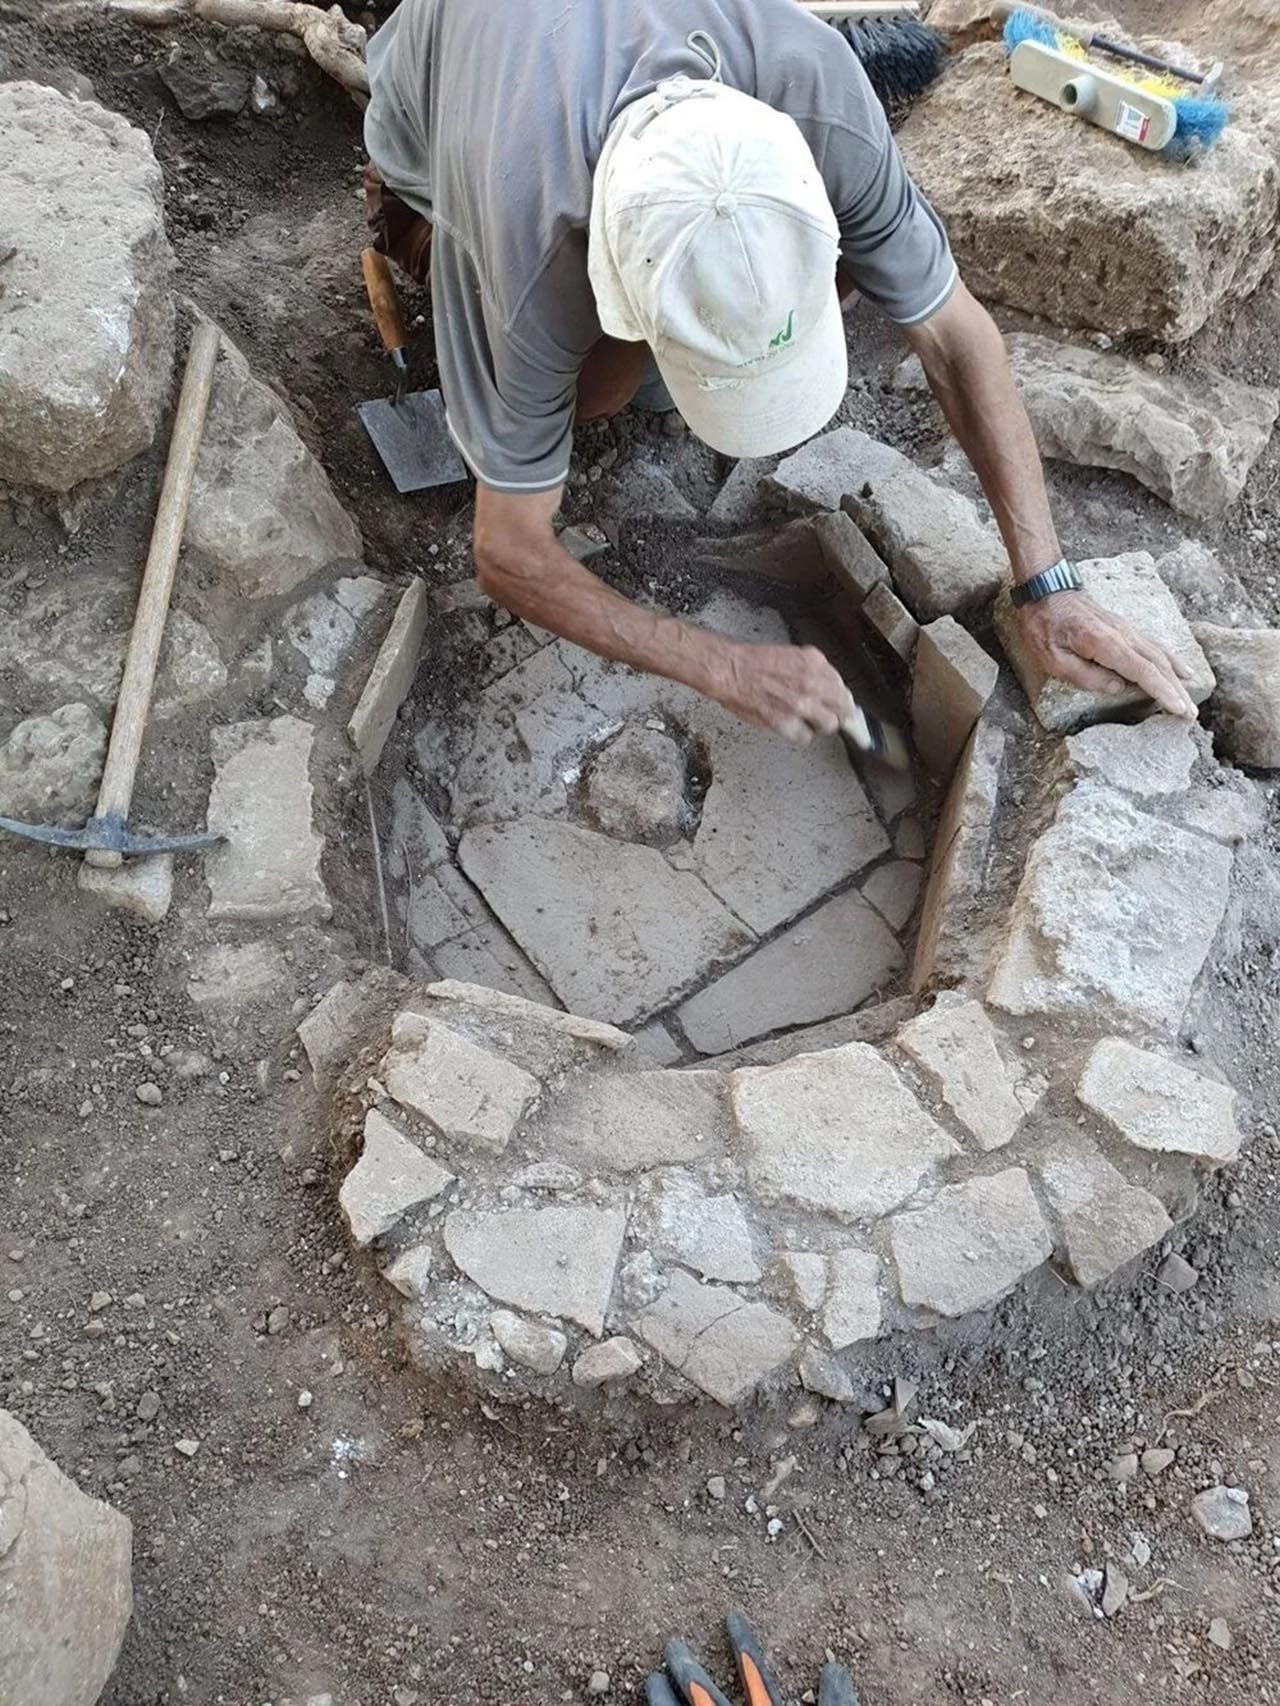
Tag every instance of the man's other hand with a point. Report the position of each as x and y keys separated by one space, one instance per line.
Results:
x=1076 y=640
x=791 y=690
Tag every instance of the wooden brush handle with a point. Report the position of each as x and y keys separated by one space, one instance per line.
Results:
x=384 y=300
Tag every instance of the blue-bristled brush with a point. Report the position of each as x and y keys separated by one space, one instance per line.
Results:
x=1150 y=102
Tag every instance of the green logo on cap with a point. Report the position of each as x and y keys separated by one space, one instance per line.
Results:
x=784 y=336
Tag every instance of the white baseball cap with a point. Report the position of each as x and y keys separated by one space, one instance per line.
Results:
x=713 y=241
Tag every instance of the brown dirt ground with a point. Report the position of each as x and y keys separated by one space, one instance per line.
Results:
x=396 y=1541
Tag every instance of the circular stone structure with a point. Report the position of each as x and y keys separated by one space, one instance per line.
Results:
x=563 y=1212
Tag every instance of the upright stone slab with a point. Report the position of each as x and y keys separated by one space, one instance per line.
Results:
x=391 y=677
x=715 y=1338
x=1057 y=220
x=269 y=864
x=1114 y=917
x=952 y=679
x=971 y=1245
x=954 y=920
x=1245 y=707
x=1129 y=587
x=65 y=1590
x=838 y=1132
x=1158 y=1105
x=547 y=1261
x=86 y=356
x=468 y=1094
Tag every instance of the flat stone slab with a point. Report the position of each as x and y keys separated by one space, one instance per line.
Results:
x=468 y=1094
x=1158 y=1105
x=547 y=1261
x=388 y=683
x=971 y=1245
x=838 y=1132
x=1149 y=759
x=391 y=1177
x=952 y=679
x=851 y=1312
x=611 y=926
x=1105 y=1220
x=709 y=1234
x=955 y=920
x=716 y=1339
x=1128 y=586
x=893 y=890
x=87 y=354
x=629 y=1123
x=1114 y=917
x=828 y=964
x=269 y=865
x=1191 y=442
x=959 y=1049
x=1245 y=707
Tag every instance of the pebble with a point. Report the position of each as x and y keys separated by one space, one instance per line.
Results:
x=598 y=1682
x=1123 y=1468
x=1157 y=1459
x=1220 y=1634
x=148 y=1407
x=277 y=1320
x=150 y=1095
x=716 y=1487
x=188 y=1447
x=1176 y=1273
x=99 y=1300
x=1223 y=1513
x=1115 y=1591
x=304 y=1399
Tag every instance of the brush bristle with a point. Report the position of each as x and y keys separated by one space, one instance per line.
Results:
x=900 y=56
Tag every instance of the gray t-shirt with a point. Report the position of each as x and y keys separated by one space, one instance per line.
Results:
x=488 y=116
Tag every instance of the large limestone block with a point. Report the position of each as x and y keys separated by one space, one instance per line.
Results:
x=86 y=315
x=723 y=1344
x=610 y=925
x=65 y=1591
x=470 y=1095
x=838 y=1132
x=630 y=1122
x=549 y=1261
x=1114 y=917
x=971 y=1245
x=1190 y=441
x=1060 y=219
x=1158 y=1105
x=269 y=864
x=1127 y=586
x=262 y=510
x=1245 y=708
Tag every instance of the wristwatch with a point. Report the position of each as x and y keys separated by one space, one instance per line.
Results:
x=1058 y=577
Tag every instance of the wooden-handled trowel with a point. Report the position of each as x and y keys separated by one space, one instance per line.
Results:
x=408 y=428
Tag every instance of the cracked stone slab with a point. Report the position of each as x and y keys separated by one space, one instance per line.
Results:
x=1148 y=758
x=851 y=1312
x=557 y=1261
x=1127 y=586
x=723 y=1344
x=838 y=1132
x=957 y=1046
x=465 y=1092
x=631 y=1122
x=391 y=1177
x=828 y=964
x=269 y=865
x=1158 y=1105
x=610 y=925
x=1114 y=917
x=709 y=1234
x=1105 y=1220
x=971 y=1245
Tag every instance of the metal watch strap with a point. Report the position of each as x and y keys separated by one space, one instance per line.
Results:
x=1058 y=577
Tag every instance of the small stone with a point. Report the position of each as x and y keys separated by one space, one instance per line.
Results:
x=1176 y=1274
x=99 y=1301
x=391 y=1177
x=1223 y=1513
x=806 y=1414
x=821 y=1373
x=971 y=1245
x=150 y=1095
x=277 y=1320
x=186 y=1447
x=893 y=889
x=1105 y=1220
x=148 y=1407
x=801 y=1275
x=305 y=1399
x=1148 y=758
x=1157 y=1458
x=410 y=1272
x=612 y=1359
x=1219 y=1634
x=1115 y=1590
x=1123 y=1468
x=716 y=1488
x=535 y=1347
x=851 y=1313
x=598 y=1682
x=202 y=84
x=467 y=1093
x=952 y=679
x=1158 y=1105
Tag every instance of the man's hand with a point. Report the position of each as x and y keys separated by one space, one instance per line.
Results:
x=791 y=690
x=1075 y=640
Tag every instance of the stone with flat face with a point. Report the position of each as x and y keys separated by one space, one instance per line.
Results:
x=269 y=864
x=952 y=679
x=828 y=964
x=1114 y=917
x=391 y=1177
x=893 y=889
x=715 y=1338
x=630 y=1122
x=838 y=1132
x=535 y=1347
x=852 y=1310
x=1127 y=586
x=709 y=1234
x=958 y=1048
x=547 y=1261
x=1245 y=708
x=954 y=921
x=613 y=1359
x=468 y=1094
x=1105 y=1220
x=1149 y=758
x=971 y=1245
x=1158 y=1105
x=612 y=927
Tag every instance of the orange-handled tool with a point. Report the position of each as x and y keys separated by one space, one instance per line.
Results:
x=388 y=315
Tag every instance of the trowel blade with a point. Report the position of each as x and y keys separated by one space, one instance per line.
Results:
x=411 y=438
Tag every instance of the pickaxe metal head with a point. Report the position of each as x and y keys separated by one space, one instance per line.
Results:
x=110 y=835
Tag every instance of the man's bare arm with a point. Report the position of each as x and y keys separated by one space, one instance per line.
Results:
x=968 y=370
x=792 y=690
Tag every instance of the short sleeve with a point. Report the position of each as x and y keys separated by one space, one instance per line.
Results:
x=509 y=411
